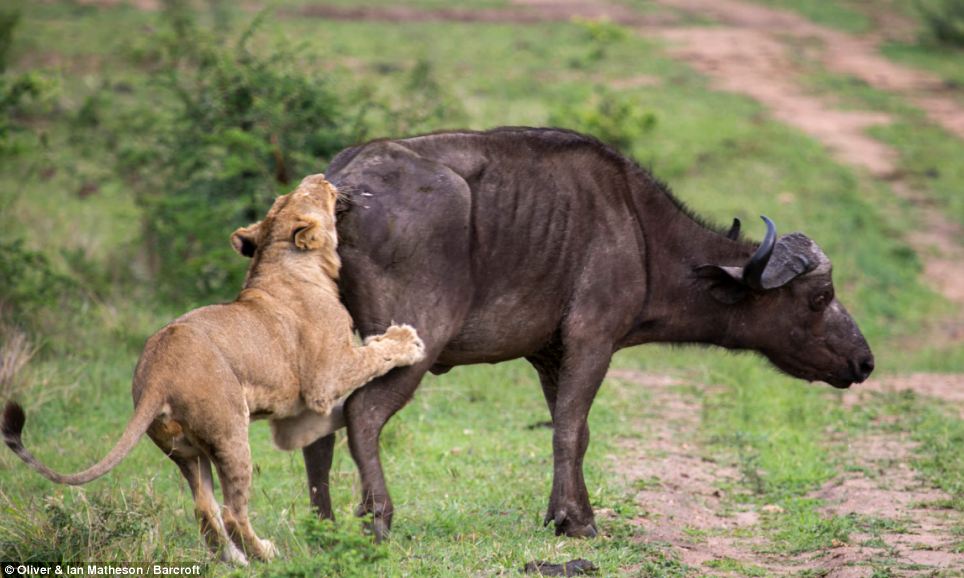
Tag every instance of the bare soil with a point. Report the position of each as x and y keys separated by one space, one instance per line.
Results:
x=682 y=491
x=522 y=12
x=947 y=387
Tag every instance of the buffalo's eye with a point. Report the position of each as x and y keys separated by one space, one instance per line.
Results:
x=819 y=301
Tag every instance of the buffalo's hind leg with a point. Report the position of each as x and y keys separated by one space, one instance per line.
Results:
x=318 y=456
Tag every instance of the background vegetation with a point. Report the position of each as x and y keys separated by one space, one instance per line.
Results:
x=133 y=141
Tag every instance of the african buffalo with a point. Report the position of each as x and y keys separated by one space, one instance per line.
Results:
x=549 y=245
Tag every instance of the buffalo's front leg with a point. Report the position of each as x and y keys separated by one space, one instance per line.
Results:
x=318 y=457
x=580 y=374
x=367 y=411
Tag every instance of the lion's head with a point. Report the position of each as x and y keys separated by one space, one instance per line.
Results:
x=302 y=221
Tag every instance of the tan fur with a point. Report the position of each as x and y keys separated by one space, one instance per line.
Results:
x=284 y=351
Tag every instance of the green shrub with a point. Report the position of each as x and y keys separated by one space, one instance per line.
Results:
x=597 y=36
x=242 y=126
x=611 y=117
x=421 y=104
x=30 y=285
x=944 y=20
x=17 y=91
x=9 y=19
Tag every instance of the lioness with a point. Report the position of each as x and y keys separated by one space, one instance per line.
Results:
x=282 y=350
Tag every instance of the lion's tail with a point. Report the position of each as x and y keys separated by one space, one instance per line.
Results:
x=14 y=419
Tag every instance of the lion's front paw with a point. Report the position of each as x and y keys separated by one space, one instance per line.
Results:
x=412 y=349
x=415 y=351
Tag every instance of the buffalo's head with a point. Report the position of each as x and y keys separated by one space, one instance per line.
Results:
x=781 y=302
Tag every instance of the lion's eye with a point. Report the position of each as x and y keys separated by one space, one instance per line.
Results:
x=820 y=301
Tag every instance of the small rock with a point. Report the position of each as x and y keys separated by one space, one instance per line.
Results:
x=772 y=509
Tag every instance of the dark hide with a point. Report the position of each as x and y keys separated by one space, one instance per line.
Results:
x=548 y=245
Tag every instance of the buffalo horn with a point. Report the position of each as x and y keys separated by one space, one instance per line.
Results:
x=734 y=232
x=753 y=270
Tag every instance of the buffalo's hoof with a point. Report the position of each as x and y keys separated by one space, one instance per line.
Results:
x=577 y=530
x=570 y=527
x=379 y=523
x=378 y=528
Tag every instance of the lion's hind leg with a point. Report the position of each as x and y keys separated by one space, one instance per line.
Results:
x=197 y=471
x=232 y=458
x=169 y=436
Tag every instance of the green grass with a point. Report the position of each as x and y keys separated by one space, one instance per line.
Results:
x=469 y=478
x=731 y=565
x=844 y=15
x=942 y=61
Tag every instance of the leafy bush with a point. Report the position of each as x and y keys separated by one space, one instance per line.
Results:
x=17 y=91
x=944 y=20
x=422 y=104
x=8 y=23
x=612 y=118
x=597 y=36
x=30 y=284
x=244 y=124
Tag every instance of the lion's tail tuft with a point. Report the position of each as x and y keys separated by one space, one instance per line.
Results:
x=12 y=425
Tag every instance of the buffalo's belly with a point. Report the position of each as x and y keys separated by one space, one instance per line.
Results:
x=492 y=336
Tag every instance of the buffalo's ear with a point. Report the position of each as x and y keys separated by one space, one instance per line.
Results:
x=245 y=240
x=725 y=284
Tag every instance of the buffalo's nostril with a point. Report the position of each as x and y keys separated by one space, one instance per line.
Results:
x=866 y=367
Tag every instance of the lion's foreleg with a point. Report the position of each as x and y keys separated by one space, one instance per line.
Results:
x=398 y=346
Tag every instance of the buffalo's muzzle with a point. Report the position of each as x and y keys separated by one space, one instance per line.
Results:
x=861 y=367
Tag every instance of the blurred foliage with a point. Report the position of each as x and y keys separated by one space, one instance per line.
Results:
x=30 y=284
x=611 y=117
x=423 y=104
x=17 y=91
x=9 y=18
x=598 y=36
x=944 y=20
x=243 y=124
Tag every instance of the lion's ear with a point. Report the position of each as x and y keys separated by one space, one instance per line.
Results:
x=245 y=240
x=307 y=235
x=311 y=234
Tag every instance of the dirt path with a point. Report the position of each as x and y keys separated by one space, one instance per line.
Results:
x=709 y=530
x=522 y=12
x=843 y=53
